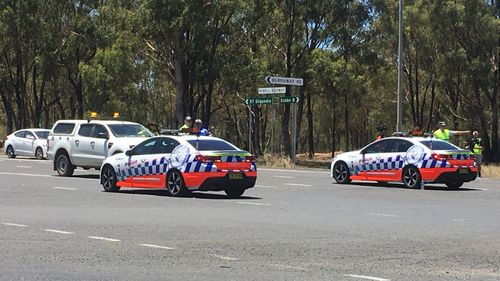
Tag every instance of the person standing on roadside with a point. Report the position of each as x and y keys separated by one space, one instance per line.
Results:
x=187 y=127
x=444 y=134
x=476 y=147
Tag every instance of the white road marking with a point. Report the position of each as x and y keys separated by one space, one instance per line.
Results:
x=64 y=188
x=367 y=277
x=103 y=238
x=27 y=167
x=225 y=258
x=458 y=220
x=14 y=224
x=382 y=215
x=156 y=246
x=284 y=177
x=59 y=231
x=297 y=184
x=265 y=186
x=43 y=176
x=256 y=204
x=289 y=266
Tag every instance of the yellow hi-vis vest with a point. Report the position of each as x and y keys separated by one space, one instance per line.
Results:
x=477 y=149
x=442 y=135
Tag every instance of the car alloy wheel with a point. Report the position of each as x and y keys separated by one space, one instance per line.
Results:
x=175 y=184
x=341 y=173
x=108 y=179
x=39 y=153
x=10 y=152
x=411 y=177
x=64 y=166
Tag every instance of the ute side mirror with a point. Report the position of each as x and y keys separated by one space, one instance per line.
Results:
x=102 y=135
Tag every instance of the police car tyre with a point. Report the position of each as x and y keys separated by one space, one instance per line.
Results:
x=108 y=179
x=63 y=165
x=10 y=152
x=454 y=184
x=341 y=173
x=234 y=192
x=411 y=177
x=39 y=153
x=175 y=184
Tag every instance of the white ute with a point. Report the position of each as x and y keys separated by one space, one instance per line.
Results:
x=86 y=143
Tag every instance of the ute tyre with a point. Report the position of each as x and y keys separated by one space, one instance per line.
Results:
x=341 y=173
x=39 y=153
x=454 y=184
x=10 y=152
x=175 y=184
x=108 y=179
x=63 y=165
x=234 y=192
x=412 y=177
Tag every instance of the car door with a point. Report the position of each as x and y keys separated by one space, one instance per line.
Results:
x=18 y=142
x=378 y=160
x=81 y=146
x=137 y=165
x=29 y=144
x=99 y=144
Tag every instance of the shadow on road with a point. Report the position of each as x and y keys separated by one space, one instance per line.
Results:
x=401 y=186
x=197 y=195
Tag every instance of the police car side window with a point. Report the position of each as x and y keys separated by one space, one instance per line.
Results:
x=145 y=148
x=85 y=130
x=403 y=146
x=166 y=145
x=379 y=147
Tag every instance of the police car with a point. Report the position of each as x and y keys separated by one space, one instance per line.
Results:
x=181 y=164
x=412 y=161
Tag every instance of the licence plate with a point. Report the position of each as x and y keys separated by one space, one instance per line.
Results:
x=463 y=170
x=235 y=176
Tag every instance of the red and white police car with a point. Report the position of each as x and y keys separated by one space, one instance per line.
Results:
x=412 y=161
x=181 y=164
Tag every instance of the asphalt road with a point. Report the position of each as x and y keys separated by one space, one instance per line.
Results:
x=294 y=225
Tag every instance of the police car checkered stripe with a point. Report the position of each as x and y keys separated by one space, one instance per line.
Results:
x=398 y=163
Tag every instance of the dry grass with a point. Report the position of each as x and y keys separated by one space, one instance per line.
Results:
x=275 y=161
x=491 y=171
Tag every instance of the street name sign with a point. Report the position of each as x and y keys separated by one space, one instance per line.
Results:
x=274 y=90
x=291 y=99
x=259 y=100
x=285 y=81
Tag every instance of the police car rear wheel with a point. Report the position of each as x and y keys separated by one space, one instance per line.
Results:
x=175 y=184
x=341 y=173
x=234 y=192
x=108 y=179
x=411 y=177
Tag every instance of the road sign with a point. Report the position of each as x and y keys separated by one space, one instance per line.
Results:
x=289 y=99
x=274 y=90
x=259 y=100
x=285 y=81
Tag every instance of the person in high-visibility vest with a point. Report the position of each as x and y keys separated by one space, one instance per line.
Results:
x=476 y=147
x=444 y=134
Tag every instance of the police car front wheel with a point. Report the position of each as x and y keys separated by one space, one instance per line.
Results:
x=108 y=179
x=341 y=173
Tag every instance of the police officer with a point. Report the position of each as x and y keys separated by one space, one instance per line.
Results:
x=476 y=147
x=186 y=128
x=444 y=134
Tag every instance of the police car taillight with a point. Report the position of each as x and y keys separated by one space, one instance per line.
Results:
x=249 y=158
x=208 y=159
x=442 y=157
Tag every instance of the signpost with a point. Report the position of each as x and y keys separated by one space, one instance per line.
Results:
x=290 y=99
x=285 y=81
x=274 y=90
x=259 y=100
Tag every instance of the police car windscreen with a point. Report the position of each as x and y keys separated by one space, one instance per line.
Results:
x=130 y=130
x=439 y=145
x=42 y=134
x=207 y=145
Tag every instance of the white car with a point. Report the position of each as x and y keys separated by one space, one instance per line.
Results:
x=411 y=161
x=27 y=142
x=181 y=164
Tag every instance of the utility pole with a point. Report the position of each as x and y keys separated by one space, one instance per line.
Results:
x=399 y=122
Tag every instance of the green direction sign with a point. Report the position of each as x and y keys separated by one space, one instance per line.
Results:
x=291 y=99
x=259 y=100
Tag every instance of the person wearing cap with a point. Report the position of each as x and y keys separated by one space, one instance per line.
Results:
x=444 y=134
x=186 y=128
x=476 y=147
x=198 y=130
